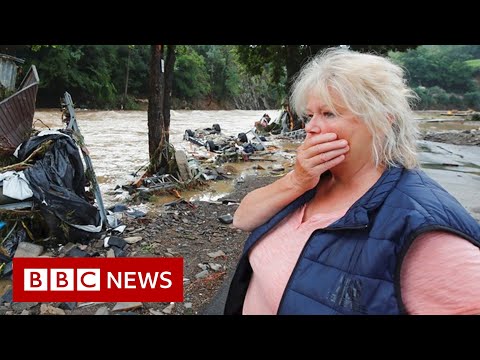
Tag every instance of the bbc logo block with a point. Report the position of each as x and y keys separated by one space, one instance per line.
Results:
x=97 y=279
x=61 y=279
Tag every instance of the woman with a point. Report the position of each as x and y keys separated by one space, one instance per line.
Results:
x=356 y=227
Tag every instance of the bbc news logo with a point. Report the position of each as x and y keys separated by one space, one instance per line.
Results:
x=97 y=279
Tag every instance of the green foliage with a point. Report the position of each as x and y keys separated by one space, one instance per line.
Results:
x=4 y=92
x=474 y=64
x=472 y=100
x=131 y=104
x=222 y=69
x=95 y=77
x=36 y=48
x=191 y=78
x=138 y=71
x=443 y=75
x=437 y=98
x=83 y=70
x=455 y=102
x=440 y=96
x=284 y=61
x=256 y=57
x=254 y=76
x=475 y=117
x=437 y=65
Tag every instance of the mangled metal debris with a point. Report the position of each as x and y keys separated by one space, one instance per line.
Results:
x=227 y=145
x=72 y=124
x=50 y=195
x=159 y=182
x=197 y=166
x=18 y=107
x=296 y=135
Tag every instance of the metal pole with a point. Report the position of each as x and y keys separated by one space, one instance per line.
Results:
x=72 y=125
x=257 y=137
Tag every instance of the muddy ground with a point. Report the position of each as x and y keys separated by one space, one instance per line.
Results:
x=465 y=137
x=191 y=230
x=194 y=232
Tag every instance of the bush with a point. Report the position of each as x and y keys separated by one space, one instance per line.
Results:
x=475 y=117
x=436 y=98
x=456 y=102
x=130 y=103
x=472 y=100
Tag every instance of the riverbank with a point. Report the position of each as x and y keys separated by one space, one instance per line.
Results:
x=199 y=104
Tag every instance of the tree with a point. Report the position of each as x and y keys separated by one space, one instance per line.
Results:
x=134 y=59
x=288 y=59
x=222 y=70
x=127 y=73
x=85 y=70
x=159 y=103
x=192 y=80
x=444 y=66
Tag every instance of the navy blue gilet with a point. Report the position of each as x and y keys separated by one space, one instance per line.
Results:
x=353 y=265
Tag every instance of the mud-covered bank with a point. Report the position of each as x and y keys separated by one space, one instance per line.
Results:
x=456 y=137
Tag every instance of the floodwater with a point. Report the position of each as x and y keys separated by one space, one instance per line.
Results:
x=118 y=142
x=118 y=146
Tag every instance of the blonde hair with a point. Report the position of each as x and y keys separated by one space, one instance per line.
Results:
x=371 y=87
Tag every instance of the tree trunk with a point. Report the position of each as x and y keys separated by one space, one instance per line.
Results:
x=156 y=117
x=292 y=64
x=167 y=102
x=126 y=79
x=225 y=75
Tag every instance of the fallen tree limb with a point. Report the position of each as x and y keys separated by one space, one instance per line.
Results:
x=25 y=163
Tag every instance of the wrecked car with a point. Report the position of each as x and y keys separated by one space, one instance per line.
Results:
x=215 y=141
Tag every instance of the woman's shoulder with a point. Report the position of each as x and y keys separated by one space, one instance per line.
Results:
x=417 y=192
x=415 y=182
x=416 y=185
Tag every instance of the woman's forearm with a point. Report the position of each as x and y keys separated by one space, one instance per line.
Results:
x=261 y=204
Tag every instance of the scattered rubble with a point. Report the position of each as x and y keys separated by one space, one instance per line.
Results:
x=456 y=137
x=202 y=239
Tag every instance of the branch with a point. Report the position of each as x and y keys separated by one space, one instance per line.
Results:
x=24 y=164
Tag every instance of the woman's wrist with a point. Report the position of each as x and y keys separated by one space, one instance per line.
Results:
x=293 y=183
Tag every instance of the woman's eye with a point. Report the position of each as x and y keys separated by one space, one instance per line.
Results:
x=328 y=114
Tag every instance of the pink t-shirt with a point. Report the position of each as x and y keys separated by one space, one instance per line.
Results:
x=440 y=273
x=274 y=257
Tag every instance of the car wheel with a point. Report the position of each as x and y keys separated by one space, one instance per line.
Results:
x=242 y=137
x=188 y=134
x=210 y=145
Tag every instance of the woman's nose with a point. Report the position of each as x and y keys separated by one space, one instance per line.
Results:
x=314 y=125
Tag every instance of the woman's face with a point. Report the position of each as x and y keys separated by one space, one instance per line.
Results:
x=346 y=125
